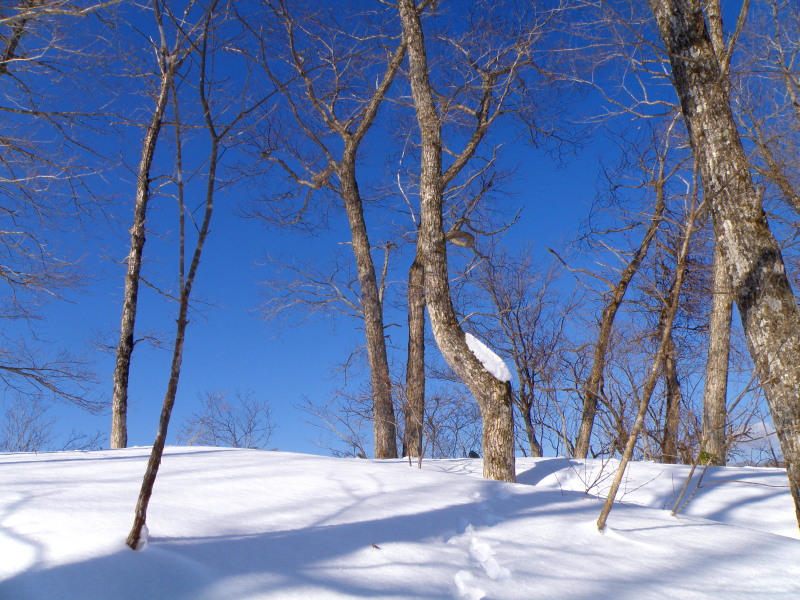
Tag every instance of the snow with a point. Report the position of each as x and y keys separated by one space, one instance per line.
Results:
x=493 y=363
x=248 y=524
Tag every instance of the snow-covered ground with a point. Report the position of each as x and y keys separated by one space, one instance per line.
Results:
x=246 y=524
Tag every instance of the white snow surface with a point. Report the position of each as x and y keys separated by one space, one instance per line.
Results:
x=493 y=363
x=248 y=524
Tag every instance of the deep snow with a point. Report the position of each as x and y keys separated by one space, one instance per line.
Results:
x=247 y=524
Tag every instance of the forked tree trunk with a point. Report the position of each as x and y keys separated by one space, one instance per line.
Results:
x=716 y=385
x=492 y=395
x=186 y=283
x=766 y=303
x=415 y=364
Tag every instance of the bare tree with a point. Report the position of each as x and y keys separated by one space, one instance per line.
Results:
x=498 y=74
x=671 y=302
x=44 y=186
x=25 y=426
x=764 y=297
x=414 y=412
x=715 y=410
x=211 y=38
x=327 y=95
x=528 y=313
x=661 y=172
x=243 y=423
x=170 y=58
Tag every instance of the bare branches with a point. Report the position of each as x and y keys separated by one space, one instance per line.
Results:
x=242 y=423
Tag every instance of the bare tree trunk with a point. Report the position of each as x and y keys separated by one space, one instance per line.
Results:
x=594 y=383
x=668 y=317
x=716 y=384
x=186 y=279
x=177 y=357
x=119 y=403
x=530 y=432
x=766 y=303
x=672 y=413
x=415 y=365
x=320 y=111
x=493 y=396
x=372 y=310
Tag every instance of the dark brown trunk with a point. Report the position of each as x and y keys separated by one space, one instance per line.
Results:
x=716 y=385
x=766 y=303
x=119 y=401
x=415 y=365
x=526 y=407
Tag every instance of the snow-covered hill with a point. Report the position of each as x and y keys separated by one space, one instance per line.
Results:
x=246 y=524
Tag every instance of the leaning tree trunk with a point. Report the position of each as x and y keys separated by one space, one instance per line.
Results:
x=372 y=311
x=119 y=402
x=594 y=383
x=716 y=385
x=492 y=395
x=415 y=365
x=186 y=283
x=766 y=303
x=667 y=319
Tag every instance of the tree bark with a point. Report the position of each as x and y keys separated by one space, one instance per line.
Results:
x=372 y=310
x=415 y=364
x=716 y=385
x=672 y=412
x=766 y=303
x=186 y=282
x=119 y=402
x=492 y=395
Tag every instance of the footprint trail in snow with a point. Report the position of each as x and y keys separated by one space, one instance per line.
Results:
x=470 y=583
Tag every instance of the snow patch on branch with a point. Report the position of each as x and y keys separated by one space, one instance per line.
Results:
x=491 y=362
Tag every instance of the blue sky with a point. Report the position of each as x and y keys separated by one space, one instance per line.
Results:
x=229 y=346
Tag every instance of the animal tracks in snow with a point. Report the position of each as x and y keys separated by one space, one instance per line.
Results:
x=470 y=583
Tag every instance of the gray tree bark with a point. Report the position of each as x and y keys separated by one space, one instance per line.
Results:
x=492 y=395
x=756 y=271
x=715 y=393
x=672 y=412
x=415 y=364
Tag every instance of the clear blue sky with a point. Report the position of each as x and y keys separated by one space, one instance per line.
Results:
x=228 y=346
